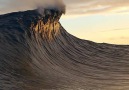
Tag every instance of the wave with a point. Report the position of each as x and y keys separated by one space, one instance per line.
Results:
x=37 y=53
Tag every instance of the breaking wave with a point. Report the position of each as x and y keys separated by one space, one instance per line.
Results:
x=36 y=53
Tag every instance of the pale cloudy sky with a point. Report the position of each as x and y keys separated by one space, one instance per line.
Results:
x=74 y=7
x=96 y=6
x=96 y=20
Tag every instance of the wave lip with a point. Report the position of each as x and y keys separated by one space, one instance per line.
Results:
x=36 y=53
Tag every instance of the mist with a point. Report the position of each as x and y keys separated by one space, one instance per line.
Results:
x=22 y=5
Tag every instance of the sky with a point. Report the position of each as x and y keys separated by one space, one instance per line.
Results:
x=96 y=20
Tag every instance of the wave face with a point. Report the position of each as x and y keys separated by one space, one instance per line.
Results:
x=36 y=53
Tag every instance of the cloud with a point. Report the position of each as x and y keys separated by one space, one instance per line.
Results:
x=74 y=7
x=96 y=6
x=120 y=29
x=21 y=5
